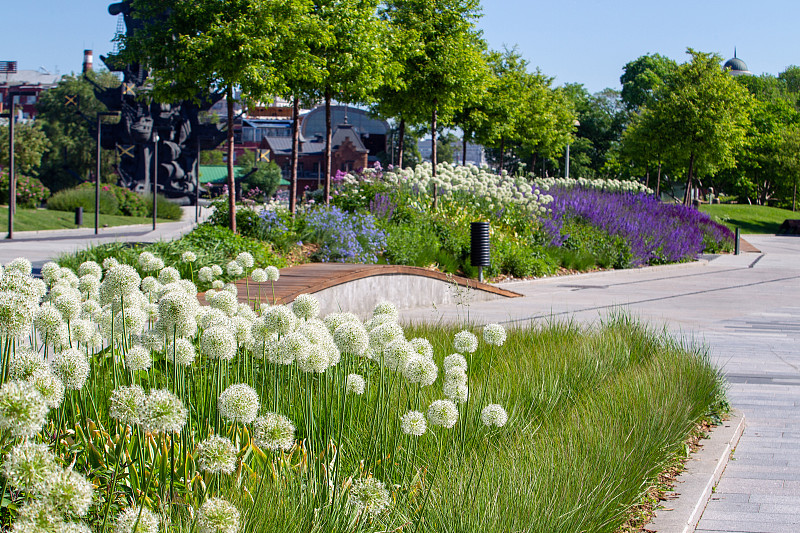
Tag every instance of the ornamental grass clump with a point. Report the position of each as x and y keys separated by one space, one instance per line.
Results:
x=135 y=408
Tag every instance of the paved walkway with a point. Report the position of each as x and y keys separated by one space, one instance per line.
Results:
x=746 y=309
x=42 y=246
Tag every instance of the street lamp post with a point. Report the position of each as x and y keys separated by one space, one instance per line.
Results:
x=155 y=178
x=12 y=178
x=100 y=115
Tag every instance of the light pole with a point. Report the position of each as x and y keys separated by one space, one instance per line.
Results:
x=100 y=115
x=12 y=178
x=155 y=178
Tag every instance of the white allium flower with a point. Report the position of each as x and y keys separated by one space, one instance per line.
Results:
x=148 y=521
x=316 y=360
x=269 y=348
x=454 y=360
x=274 y=432
x=151 y=285
x=138 y=358
x=90 y=268
x=16 y=314
x=49 y=386
x=241 y=327
x=89 y=285
x=217 y=285
x=457 y=375
x=20 y=265
x=226 y=302
x=209 y=317
x=24 y=362
x=176 y=308
x=125 y=404
x=182 y=353
x=397 y=354
x=90 y=310
x=494 y=334
x=456 y=391
x=420 y=369
x=50 y=272
x=218 y=516
x=234 y=269
x=385 y=308
x=422 y=347
x=152 y=339
x=71 y=367
x=216 y=269
x=245 y=260
x=414 y=423
x=74 y=527
x=351 y=338
x=384 y=334
x=205 y=274
x=69 y=305
x=216 y=455
x=379 y=320
x=239 y=403
x=443 y=413
x=119 y=282
x=369 y=496
x=109 y=263
x=306 y=306
x=279 y=319
x=231 y=287
x=355 y=384
x=188 y=257
x=465 y=342
x=38 y=516
x=131 y=322
x=494 y=415
x=71 y=492
x=273 y=274
x=334 y=320
x=162 y=412
x=168 y=275
x=147 y=261
x=48 y=320
x=83 y=330
x=218 y=343
x=259 y=275
x=30 y=466
x=23 y=409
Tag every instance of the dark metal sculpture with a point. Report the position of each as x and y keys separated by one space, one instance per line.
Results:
x=175 y=127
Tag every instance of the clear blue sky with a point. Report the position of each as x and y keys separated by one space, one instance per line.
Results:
x=583 y=41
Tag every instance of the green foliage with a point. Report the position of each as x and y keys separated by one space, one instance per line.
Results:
x=643 y=77
x=164 y=208
x=211 y=157
x=30 y=146
x=70 y=199
x=265 y=176
x=30 y=191
x=114 y=200
x=595 y=247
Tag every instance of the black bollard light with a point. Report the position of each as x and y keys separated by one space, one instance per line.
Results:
x=737 y=242
x=479 y=247
x=79 y=216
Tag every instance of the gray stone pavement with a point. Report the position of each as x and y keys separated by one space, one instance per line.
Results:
x=746 y=310
x=42 y=246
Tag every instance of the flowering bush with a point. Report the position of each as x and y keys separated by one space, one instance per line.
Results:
x=345 y=237
x=30 y=191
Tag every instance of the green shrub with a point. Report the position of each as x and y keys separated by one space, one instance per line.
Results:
x=69 y=199
x=114 y=200
x=30 y=191
x=166 y=209
x=520 y=260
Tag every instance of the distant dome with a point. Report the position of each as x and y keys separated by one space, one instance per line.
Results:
x=736 y=66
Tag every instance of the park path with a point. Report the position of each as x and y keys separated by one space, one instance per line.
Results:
x=746 y=310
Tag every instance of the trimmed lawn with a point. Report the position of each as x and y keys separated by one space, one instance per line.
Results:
x=42 y=219
x=749 y=218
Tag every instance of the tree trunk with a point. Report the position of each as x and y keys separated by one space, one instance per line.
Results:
x=295 y=147
x=647 y=176
x=433 y=152
x=658 y=182
x=464 y=151
x=401 y=143
x=503 y=153
x=231 y=182
x=687 y=197
x=328 y=134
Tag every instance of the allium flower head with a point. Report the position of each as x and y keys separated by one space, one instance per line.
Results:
x=239 y=403
x=226 y=302
x=182 y=352
x=49 y=386
x=138 y=358
x=443 y=413
x=454 y=360
x=279 y=319
x=38 y=516
x=205 y=274
x=109 y=263
x=126 y=520
x=50 y=272
x=245 y=260
x=369 y=496
x=385 y=308
x=25 y=362
x=83 y=330
x=384 y=334
x=494 y=415
x=494 y=334
x=273 y=274
x=259 y=275
x=71 y=367
x=131 y=321
x=162 y=412
x=414 y=423
x=397 y=354
x=16 y=313
x=91 y=310
x=351 y=338
x=48 y=320
x=188 y=257
x=70 y=492
x=218 y=343
x=119 y=282
x=88 y=268
x=20 y=265
x=217 y=285
x=151 y=285
x=465 y=342
x=216 y=455
x=422 y=347
x=30 y=466
x=316 y=360
x=234 y=269
x=456 y=391
x=290 y=348
x=23 y=409
x=306 y=306
x=273 y=432
x=216 y=269
x=217 y=516
x=334 y=320
x=209 y=317
x=355 y=384
x=456 y=374
x=125 y=404
x=420 y=369
x=89 y=285
x=69 y=305
x=148 y=261
x=168 y=275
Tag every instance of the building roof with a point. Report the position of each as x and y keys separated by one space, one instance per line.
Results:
x=29 y=77
x=347 y=131
x=219 y=173
x=366 y=124
x=736 y=66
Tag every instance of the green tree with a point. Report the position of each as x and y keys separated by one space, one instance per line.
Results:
x=789 y=157
x=193 y=48
x=702 y=114
x=69 y=129
x=264 y=175
x=211 y=157
x=30 y=145
x=643 y=77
